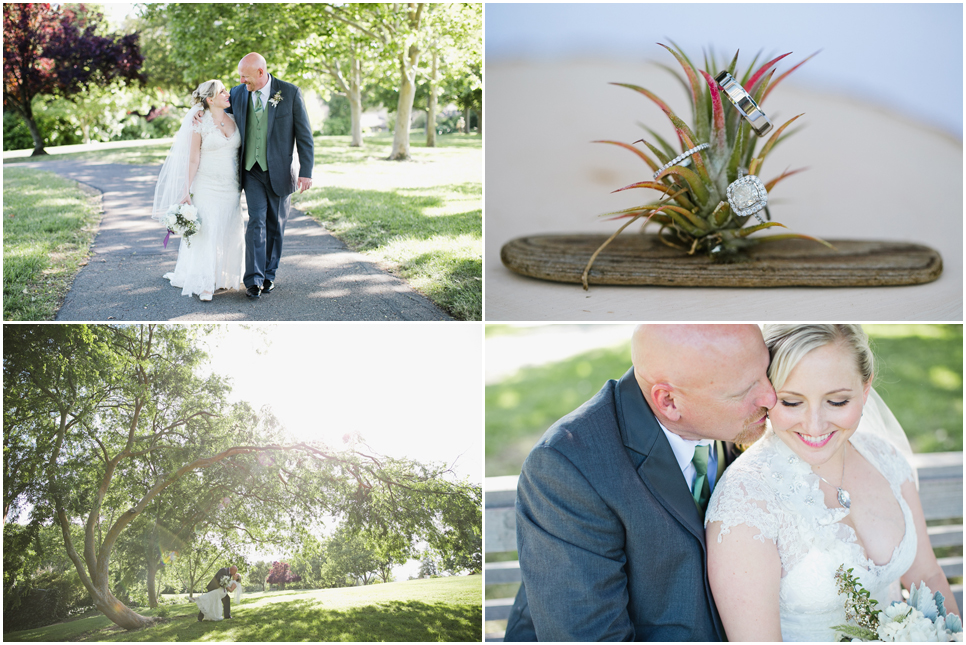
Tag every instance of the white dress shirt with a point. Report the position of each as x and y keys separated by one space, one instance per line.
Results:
x=264 y=93
x=684 y=452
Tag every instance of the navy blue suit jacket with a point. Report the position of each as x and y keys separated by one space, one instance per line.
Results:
x=288 y=127
x=610 y=541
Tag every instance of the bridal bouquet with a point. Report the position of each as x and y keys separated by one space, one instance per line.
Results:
x=225 y=581
x=183 y=220
x=922 y=618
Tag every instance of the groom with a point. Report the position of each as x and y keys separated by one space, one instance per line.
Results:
x=270 y=114
x=610 y=502
x=215 y=583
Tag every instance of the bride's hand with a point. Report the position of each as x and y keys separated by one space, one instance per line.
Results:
x=187 y=199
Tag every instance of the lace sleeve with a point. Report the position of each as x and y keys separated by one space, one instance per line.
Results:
x=885 y=458
x=207 y=125
x=741 y=498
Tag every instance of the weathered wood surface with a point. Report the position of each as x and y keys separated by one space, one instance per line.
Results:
x=641 y=259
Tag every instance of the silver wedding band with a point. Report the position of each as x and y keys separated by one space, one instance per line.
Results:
x=682 y=158
x=744 y=103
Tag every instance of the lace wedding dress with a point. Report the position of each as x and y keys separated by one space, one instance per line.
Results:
x=215 y=257
x=210 y=604
x=769 y=488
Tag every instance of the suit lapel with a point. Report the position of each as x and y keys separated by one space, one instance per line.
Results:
x=659 y=470
x=720 y=449
x=272 y=89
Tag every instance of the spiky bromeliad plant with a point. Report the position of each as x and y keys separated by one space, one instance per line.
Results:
x=693 y=211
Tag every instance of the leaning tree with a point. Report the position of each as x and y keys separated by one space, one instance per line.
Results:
x=91 y=410
x=55 y=50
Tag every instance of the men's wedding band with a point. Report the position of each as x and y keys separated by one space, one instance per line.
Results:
x=744 y=103
x=683 y=157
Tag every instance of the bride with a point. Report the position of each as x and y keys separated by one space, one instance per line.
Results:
x=210 y=604
x=202 y=170
x=825 y=486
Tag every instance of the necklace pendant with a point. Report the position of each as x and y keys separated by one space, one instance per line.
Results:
x=844 y=499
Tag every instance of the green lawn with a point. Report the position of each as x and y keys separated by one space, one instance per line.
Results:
x=48 y=226
x=919 y=374
x=441 y=609
x=421 y=219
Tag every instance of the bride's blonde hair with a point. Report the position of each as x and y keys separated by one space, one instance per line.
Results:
x=788 y=344
x=205 y=91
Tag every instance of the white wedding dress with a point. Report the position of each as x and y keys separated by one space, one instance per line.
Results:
x=215 y=257
x=769 y=488
x=210 y=604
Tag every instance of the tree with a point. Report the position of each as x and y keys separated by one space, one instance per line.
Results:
x=281 y=574
x=349 y=559
x=456 y=534
x=427 y=565
x=54 y=50
x=257 y=573
x=454 y=39
x=88 y=407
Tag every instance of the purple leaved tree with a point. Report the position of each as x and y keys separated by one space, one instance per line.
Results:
x=54 y=50
x=281 y=574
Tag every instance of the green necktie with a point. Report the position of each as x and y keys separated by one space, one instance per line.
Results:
x=258 y=101
x=702 y=487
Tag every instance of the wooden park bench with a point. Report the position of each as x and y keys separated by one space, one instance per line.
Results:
x=940 y=488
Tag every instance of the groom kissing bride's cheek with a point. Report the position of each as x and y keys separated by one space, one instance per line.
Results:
x=638 y=519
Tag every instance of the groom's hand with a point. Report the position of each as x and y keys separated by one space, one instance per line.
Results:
x=304 y=184
x=197 y=120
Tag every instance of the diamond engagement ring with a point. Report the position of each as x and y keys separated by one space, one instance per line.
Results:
x=681 y=157
x=744 y=103
x=747 y=196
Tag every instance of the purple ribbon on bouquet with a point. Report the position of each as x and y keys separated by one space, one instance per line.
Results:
x=167 y=237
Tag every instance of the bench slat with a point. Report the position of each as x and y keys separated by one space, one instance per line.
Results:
x=952 y=566
x=497 y=609
x=947 y=535
x=500 y=530
x=502 y=572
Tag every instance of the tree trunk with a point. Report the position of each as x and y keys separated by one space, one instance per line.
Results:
x=355 y=102
x=479 y=121
x=466 y=120
x=431 y=107
x=27 y=114
x=404 y=109
x=152 y=582
x=119 y=613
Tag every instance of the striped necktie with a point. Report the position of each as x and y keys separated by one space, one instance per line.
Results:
x=258 y=102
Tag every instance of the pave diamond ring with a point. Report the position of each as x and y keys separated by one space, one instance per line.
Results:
x=743 y=102
x=747 y=196
x=681 y=157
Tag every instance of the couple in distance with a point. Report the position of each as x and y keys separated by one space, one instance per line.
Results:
x=216 y=604
x=637 y=520
x=229 y=141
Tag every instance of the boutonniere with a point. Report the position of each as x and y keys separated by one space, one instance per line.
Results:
x=275 y=100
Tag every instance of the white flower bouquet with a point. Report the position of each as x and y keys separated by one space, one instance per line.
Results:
x=225 y=581
x=181 y=219
x=922 y=618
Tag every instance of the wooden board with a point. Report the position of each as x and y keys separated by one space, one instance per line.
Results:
x=641 y=259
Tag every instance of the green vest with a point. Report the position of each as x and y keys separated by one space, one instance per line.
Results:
x=256 y=136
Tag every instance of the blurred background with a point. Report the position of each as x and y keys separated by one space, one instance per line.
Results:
x=880 y=142
x=537 y=374
x=905 y=57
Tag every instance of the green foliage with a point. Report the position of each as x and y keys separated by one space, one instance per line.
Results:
x=339 y=120
x=860 y=608
x=445 y=609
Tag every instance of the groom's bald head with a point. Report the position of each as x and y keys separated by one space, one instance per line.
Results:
x=704 y=381
x=253 y=71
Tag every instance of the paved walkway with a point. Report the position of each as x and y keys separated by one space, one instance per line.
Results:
x=319 y=278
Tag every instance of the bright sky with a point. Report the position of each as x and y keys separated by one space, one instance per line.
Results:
x=410 y=390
